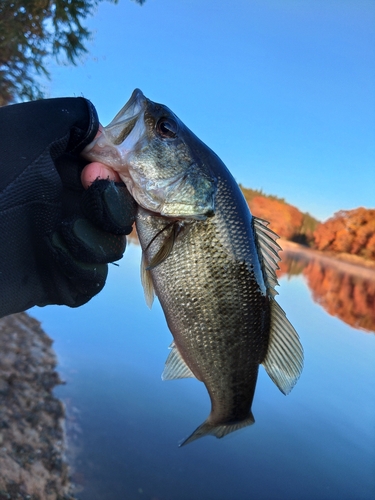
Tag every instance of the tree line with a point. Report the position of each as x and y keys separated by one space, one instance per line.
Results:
x=347 y=231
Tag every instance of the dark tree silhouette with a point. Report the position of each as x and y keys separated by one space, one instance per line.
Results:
x=31 y=31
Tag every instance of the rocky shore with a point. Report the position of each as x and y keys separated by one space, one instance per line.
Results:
x=32 y=464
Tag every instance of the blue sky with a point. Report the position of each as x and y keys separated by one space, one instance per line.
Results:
x=282 y=90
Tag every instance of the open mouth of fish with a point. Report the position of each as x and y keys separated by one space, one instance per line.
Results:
x=115 y=141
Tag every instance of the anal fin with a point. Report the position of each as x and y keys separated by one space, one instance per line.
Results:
x=175 y=366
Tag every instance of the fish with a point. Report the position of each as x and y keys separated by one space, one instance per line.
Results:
x=209 y=261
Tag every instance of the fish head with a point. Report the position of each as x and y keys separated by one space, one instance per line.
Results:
x=158 y=159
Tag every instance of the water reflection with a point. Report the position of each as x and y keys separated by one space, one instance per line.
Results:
x=344 y=290
x=316 y=443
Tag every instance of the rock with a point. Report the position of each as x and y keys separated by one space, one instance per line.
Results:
x=32 y=464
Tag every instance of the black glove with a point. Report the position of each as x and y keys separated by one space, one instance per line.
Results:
x=56 y=237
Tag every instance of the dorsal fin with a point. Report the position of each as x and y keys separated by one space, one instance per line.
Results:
x=269 y=252
x=175 y=366
x=284 y=359
x=147 y=284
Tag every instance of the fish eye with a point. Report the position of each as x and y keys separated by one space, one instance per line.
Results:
x=166 y=128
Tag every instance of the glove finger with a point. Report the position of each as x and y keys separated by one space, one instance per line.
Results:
x=69 y=168
x=87 y=243
x=81 y=280
x=109 y=206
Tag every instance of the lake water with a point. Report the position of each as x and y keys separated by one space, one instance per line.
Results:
x=124 y=423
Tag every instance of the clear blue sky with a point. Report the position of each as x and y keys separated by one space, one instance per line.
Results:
x=282 y=90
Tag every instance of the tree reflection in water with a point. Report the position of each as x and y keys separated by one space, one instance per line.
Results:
x=343 y=292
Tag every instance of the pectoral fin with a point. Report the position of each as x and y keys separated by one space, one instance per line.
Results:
x=161 y=255
x=165 y=249
x=146 y=279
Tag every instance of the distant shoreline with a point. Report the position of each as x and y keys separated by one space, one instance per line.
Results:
x=351 y=264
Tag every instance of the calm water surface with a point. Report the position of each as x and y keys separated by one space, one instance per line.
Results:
x=125 y=423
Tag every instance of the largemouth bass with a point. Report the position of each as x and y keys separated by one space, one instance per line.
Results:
x=209 y=261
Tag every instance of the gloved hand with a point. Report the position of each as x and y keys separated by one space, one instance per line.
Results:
x=55 y=237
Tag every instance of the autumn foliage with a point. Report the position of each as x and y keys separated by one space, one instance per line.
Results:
x=285 y=219
x=349 y=231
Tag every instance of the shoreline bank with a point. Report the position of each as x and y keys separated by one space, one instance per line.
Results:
x=351 y=264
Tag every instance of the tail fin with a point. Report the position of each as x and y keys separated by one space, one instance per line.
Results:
x=217 y=430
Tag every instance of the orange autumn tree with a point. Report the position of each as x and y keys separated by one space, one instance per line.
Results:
x=349 y=231
x=285 y=219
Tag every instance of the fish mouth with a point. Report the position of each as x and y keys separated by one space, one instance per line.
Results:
x=111 y=143
x=123 y=123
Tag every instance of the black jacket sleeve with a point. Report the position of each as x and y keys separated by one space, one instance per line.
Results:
x=55 y=238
